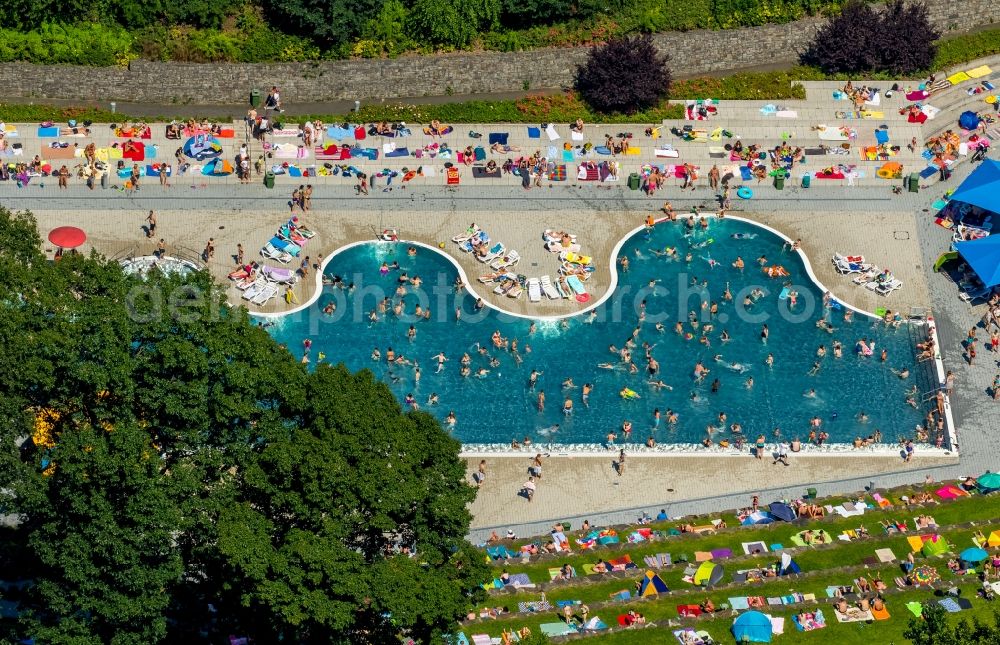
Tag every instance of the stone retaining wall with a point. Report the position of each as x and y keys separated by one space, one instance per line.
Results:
x=694 y=52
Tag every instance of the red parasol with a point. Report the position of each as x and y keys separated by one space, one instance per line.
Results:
x=67 y=237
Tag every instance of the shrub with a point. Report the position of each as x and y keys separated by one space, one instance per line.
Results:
x=85 y=44
x=848 y=42
x=966 y=47
x=907 y=41
x=624 y=75
x=453 y=23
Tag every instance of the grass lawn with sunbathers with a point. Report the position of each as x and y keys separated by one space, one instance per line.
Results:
x=749 y=556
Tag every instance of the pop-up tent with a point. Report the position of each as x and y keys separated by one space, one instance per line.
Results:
x=982 y=187
x=983 y=255
x=788 y=565
x=757 y=517
x=709 y=573
x=651 y=585
x=937 y=545
x=782 y=511
x=969 y=120
x=752 y=627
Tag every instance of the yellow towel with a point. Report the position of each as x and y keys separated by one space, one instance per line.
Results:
x=980 y=71
x=915 y=543
x=957 y=78
x=633 y=150
x=872 y=115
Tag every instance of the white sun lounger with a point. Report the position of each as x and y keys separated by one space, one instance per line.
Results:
x=534 y=290
x=251 y=292
x=272 y=253
x=266 y=292
x=548 y=289
x=496 y=251
x=886 y=288
x=506 y=261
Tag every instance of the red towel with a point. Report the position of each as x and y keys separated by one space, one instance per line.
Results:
x=919 y=117
x=835 y=175
x=360 y=133
x=453 y=176
x=134 y=151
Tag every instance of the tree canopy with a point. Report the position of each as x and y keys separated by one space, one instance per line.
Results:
x=176 y=472
x=933 y=628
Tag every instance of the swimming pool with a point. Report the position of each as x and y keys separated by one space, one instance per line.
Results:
x=496 y=403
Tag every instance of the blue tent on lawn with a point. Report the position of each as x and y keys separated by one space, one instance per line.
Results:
x=788 y=566
x=758 y=517
x=983 y=255
x=982 y=187
x=781 y=511
x=752 y=627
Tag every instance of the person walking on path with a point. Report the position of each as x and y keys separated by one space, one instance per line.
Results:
x=151 y=224
x=209 y=251
x=713 y=177
x=782 y=455
x=161 y=249
x=620 y=466
x=239 y=255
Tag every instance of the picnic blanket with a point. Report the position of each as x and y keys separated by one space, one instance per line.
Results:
x=853 y=615
x=557 y=629
x=915 y=608
x=289 y=151
x=754 y=547
x=808 y=625
x=533 y=606
x=333 y=152
x=819 y=537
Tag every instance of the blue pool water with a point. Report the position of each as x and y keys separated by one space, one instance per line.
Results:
x=500 y=405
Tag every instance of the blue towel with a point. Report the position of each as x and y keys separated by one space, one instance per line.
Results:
x=150 y=151
x=745 y=173
x=929 y=172
x=498 y=137
x=294 y=172
x=927 y=154
x=534 y=133
x=567 y=155
x=882 y=136
x=480 y=153
x=48 y=132
x=398 y=152
x=124 y=173
x=338 y=133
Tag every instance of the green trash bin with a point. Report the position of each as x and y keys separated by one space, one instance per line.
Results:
x=255 y=98
x=779 y=182
x=806 y=180
x=914 y=186
x=633 y=181
x=269 y=179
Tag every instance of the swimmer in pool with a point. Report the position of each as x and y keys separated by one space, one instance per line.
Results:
x=450 y=419
x=659 y=385
x=903 y=373
x=440 y=358
x=606 y=366
x=432 y=399
x=810 y=394
x=862 y=417
x=549 y=430
x=568 y=384
x=749 y=383
x=815 y=369
x=384 y=269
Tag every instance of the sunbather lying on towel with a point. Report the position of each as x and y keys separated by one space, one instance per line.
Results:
x=501 y=148
x=74 y=131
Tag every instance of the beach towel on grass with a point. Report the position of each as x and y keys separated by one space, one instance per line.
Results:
x=853 y=615
x=557 y=629
x=498 y=137
x=950 y=605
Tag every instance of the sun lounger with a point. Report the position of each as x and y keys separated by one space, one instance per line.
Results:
x=264 y=294
x=272 y=253
x=506 y=261
x=548 y=289
x=534 y=290
x=888 y=287
x=495 y=251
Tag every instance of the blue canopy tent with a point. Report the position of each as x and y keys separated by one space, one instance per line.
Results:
x=758 y=517
x=781 y=511
x=982 y=187
x=983 y=255
x=752 y=627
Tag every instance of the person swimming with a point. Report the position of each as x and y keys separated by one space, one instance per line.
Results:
x=549 y=430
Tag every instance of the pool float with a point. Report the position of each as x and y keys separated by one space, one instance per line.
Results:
x=743 y=236
x=701 y=245
x=627 y=393
x=784 y=293
x=389 y=235
x=776 y=271
x=834 y=304
x=744 y=193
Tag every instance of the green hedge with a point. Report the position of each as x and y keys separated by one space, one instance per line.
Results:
x=84 y=44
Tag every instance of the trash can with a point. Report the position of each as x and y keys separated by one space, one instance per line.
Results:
x=779 y=182
x=105 y=180
x=255 y=98
x=633 y=181
x=914 y=185
x=269 y=179
x=806 y=180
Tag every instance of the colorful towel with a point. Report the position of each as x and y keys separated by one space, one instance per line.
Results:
x=558 y=173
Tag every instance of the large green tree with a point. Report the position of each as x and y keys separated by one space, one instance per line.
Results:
x=331 y=23
x=329 y=513
x=934 y=628
x=163 y=454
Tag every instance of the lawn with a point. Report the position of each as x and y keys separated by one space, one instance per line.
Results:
x=838 y=563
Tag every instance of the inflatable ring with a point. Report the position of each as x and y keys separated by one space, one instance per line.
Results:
x=744 y=193
x=583 y=297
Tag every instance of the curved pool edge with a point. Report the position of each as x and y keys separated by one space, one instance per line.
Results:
x=612 y=272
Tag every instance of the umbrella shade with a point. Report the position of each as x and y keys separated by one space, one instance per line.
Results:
x=989 y=481
x=781 y=511
x=67 y=237
x=973 y=555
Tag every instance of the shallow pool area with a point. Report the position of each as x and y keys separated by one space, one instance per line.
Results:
x=757 y=380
